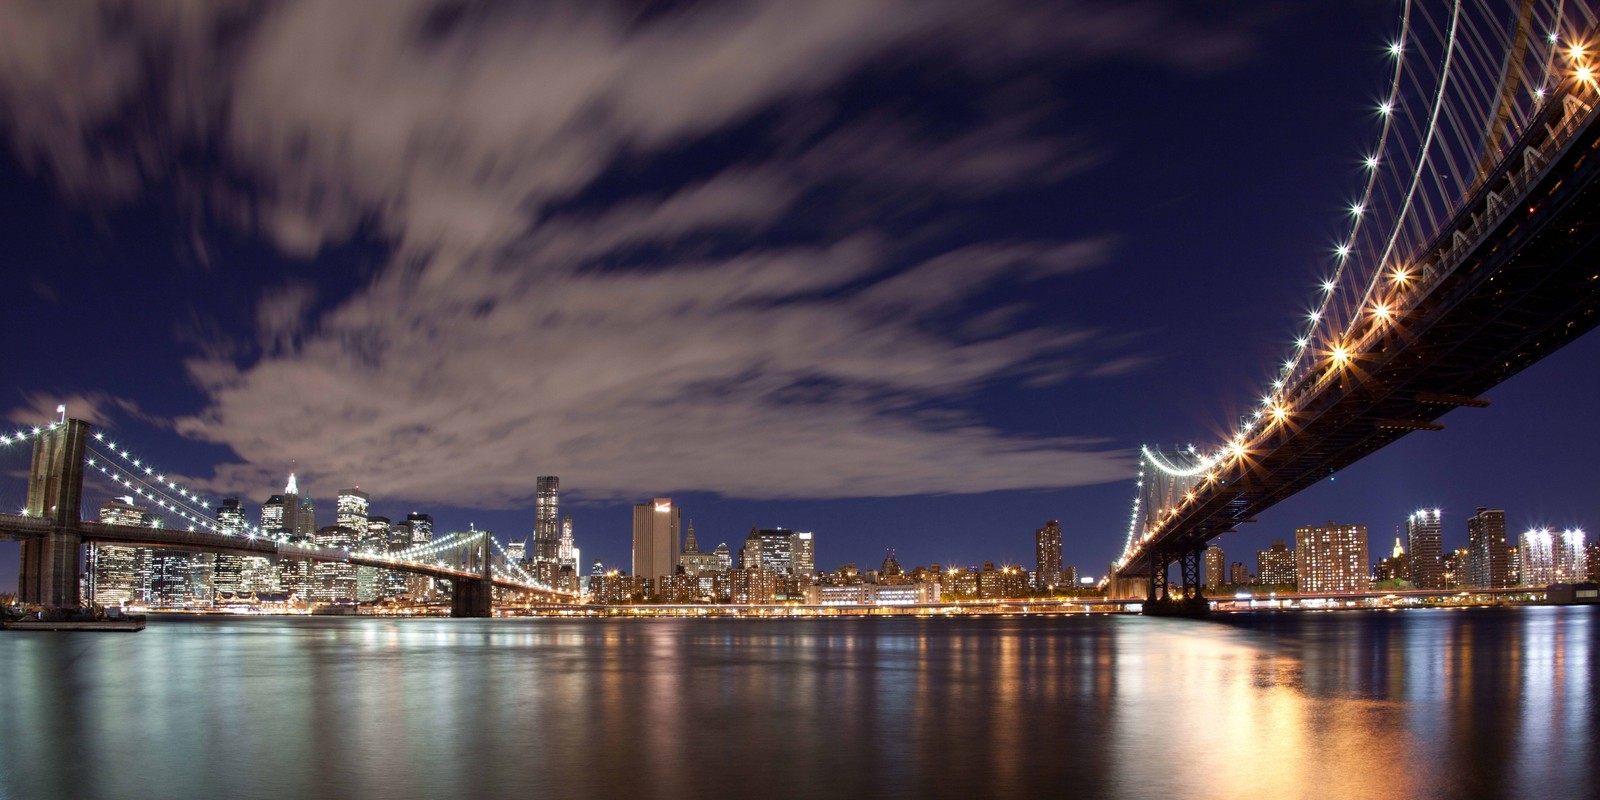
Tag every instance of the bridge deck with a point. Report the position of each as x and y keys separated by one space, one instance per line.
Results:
x=1515 y=277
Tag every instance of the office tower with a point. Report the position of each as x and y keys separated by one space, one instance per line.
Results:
x=805 y=554
x=1425 y=541
x=1331 y=558
x=655 y=540
x=724 y=557
x=547 y=527
x=772 y=548
x=1514 y=565
x=750 y=553
x=335 y=581
x=351 y=511
x=1592 y=556
x=1553 y=557
x=291 y=507
x=1047 y=556
x=305 y=522
x=371 y=581
x=1216 y=568
x=230 y=567
x=421 y=527
x=1276 y=565
x=1487 y=554
x=113 y=570
x=567 y=551
x=517 y=550
x=272 y=516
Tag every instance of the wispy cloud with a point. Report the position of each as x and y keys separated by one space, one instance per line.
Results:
x=667 y=338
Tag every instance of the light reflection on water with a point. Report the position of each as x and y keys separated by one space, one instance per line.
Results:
x=1476 y=703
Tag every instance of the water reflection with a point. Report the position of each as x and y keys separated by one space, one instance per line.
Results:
x=1480 y=703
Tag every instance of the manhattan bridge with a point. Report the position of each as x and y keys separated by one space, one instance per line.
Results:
x=1472 y=251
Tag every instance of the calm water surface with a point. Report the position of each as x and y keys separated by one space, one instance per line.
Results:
x=1475 y=703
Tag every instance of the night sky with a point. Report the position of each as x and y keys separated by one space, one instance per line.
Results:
x=909 y=274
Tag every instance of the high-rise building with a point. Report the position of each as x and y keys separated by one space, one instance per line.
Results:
x=272 y=516
x=1592 y=554
x=1553 y=557
x=805 y=555
x=655 y=540
x=421 y=527
x=1487 y=553
x=567 y=554
x=1216 y=568
x=305 y=522
x=1276 y=565
x=1331 y=558
x=517 y=550
x=229 y=573
x=1425 y=541
x=114 y=571
x=547 y=525
x=351 y=511
x=291 y=507
x=372 y=582
x=335 y=581
x=772 y=548
x=1047 y=556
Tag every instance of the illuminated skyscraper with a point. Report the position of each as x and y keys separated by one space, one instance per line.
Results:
x=1487 y=553
x=370 y=581
x=805 y=554
x=1425 y=541
x=547 y=527
x=1331 y=558
x=352 y=510
x=335 y=581
x=230 y=567
x=1216 y=567
x=517 y=550
x=1047 y=555
x=272 y=516
x=1553 y=557
x=655 y=540
x=421 y=527
x=115 y=570
x=567 y=552
x=291 y=507
x=1276 y=566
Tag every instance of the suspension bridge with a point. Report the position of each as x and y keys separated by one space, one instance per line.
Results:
x=53 y=531
x=1472 y=252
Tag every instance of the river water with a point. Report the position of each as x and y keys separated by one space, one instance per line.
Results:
x=1421 y=703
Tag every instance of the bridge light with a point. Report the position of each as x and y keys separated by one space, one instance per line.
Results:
x=1382 y=312
x=1340 y=354
x=1386 y=108
x=1586 y=74
x=1575 y=52
x=1279 y=413
x=1401 y=275
x=1315 y=316
x=1372 y=162
x=1396 y=48
x=1356 y=209
x=1538 y=94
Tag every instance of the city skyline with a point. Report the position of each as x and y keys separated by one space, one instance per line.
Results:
x=1058 y=341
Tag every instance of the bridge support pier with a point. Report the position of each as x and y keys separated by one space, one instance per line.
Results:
x=475 y=598
x=1191 y=601
x=472 y=598
x=50 y=564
